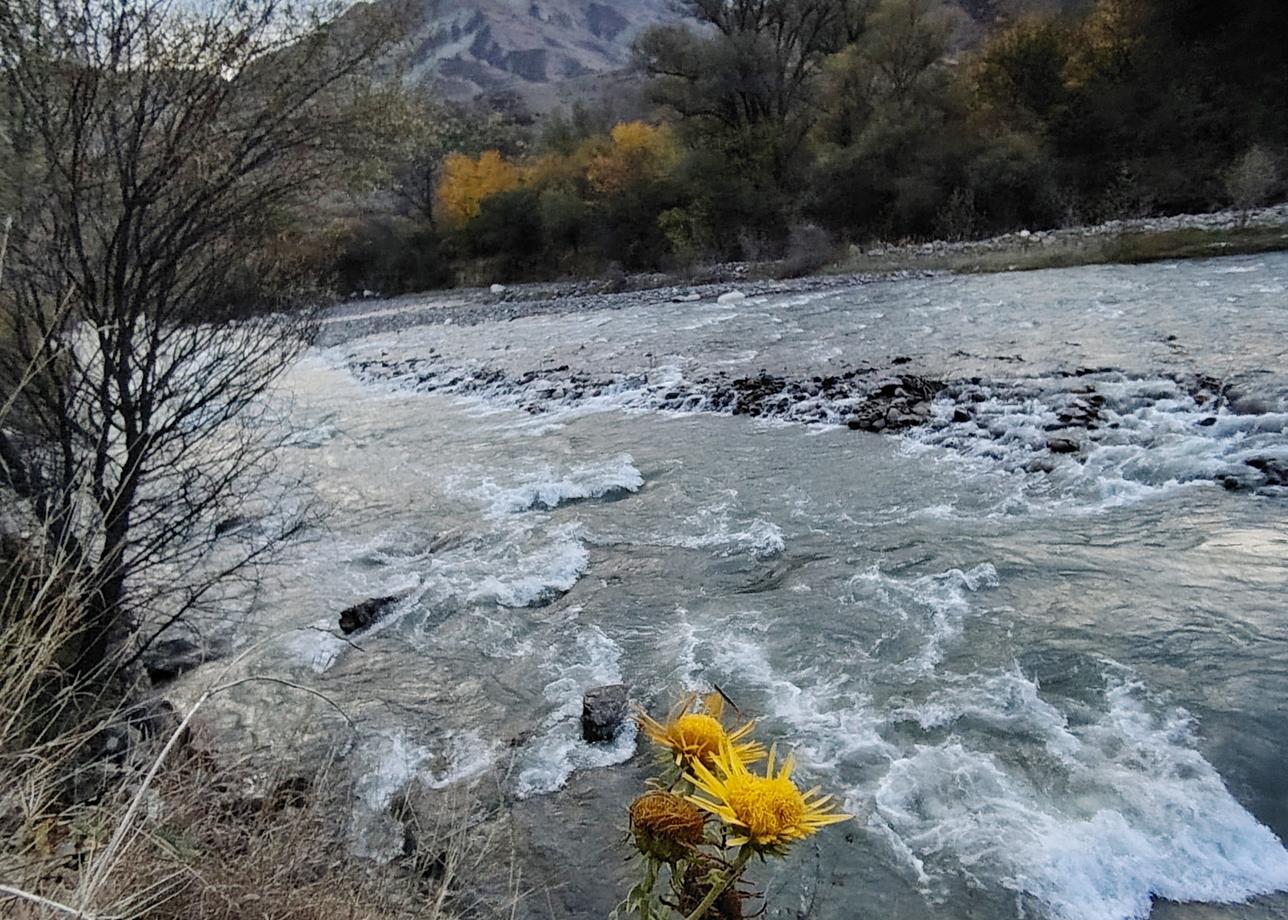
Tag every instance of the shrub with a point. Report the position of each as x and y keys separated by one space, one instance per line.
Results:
x=1252 y=180
x=389 y=255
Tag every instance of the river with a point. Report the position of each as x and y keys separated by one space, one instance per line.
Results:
x=1051 y=680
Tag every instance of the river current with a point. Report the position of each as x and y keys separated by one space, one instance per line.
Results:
x=1050 y=681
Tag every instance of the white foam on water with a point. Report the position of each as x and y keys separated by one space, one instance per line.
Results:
x=522 y=577
x=715 y=526
x=389 y=761
x=1151 y=439
x=1133 y=811
x=829 y=724
x=544 y=488
x=545 y=764
x=934 y=606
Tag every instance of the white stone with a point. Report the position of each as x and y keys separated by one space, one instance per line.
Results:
x=1025 y=234
x=497 y=289
x=731 y=297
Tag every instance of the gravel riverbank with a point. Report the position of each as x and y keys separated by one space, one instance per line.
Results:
x=882 y=262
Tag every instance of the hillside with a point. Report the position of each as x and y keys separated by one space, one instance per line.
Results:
x=548 y=52
x=486 y=46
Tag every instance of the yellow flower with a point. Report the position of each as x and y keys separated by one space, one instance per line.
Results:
x=697 y=736
x=764 y=811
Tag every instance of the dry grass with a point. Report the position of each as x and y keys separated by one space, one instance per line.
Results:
x=157 y=827
x=116 y=809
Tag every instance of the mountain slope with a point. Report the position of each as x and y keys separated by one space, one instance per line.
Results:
x=483 y=46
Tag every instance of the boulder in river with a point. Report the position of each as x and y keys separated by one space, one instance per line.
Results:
x=604 y=711
x=360 y=616
x=731 y=297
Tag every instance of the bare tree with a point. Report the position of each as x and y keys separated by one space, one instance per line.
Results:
x=152 y=150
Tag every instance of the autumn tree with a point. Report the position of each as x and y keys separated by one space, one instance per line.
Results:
x=430 y=131
x=469 y=181
x=637 y=152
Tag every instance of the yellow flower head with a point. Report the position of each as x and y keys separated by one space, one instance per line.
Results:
x=696 y=735
x=666 y=826
x=763 y=811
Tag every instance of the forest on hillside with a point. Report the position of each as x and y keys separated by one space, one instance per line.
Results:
x=777 y=129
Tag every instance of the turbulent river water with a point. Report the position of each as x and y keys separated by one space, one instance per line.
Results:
x=1051 y=680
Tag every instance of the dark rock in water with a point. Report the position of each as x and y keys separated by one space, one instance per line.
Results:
x=1246 y=404
x=961 y=416
x=603 y=712
x=167 y=659
x=1040 y=465
x=1275 y=471
x=1207 y=422
x=360 y=616
x=1062 y=446
x=228 y=525
x=896 y=404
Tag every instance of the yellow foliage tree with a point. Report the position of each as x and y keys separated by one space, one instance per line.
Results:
x=467 y=182
x=637 y=151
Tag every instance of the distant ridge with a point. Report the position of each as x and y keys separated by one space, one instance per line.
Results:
x=480 y=47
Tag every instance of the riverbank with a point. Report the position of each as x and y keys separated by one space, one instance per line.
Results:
x=1181 y=236
x=1184 y=236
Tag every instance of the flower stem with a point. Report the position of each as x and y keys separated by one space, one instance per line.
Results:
x=650 y=879
x=718 y=889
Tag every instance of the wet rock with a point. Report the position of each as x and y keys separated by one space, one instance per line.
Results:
x=360 y=616
x=1207 y=422
x=731 y=297
x=497 y=289
x=961 y=416
x=604 y=711
x=167 y=659
x=1062 y=446
x=896 y=404
x=231 y=524
x=1274 y=470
